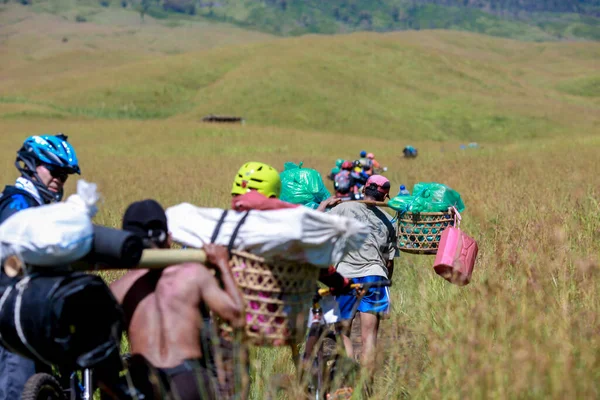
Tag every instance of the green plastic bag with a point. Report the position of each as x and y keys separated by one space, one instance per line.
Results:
x=428 y=197
x=302 y=186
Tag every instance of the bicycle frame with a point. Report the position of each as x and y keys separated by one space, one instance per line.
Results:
x=317 y=311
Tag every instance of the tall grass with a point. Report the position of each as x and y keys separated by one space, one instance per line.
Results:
x=526 y=327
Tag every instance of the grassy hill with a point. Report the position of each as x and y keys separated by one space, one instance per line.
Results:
x=433 y=85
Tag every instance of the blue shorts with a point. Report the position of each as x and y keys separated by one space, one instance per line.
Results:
x=376 y=301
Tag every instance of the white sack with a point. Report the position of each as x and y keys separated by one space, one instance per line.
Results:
x=296 y=234
x=54 y=234
x=331 y=312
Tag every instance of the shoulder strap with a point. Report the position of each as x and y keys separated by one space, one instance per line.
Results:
x=235 y=232
x=218 y=227
x=9 y=192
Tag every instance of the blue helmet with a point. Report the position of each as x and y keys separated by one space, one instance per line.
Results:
x=363 y=153
x=52 y=151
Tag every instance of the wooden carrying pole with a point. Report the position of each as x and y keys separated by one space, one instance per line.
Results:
x=162 y=258
x=373 y=203
x=151 y=259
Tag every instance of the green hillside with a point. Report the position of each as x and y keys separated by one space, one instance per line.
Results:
x=531 y=20
x=434 y=85
x=525 y=20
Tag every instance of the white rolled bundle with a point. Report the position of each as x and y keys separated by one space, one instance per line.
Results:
x=54 y=234
x=297 y=234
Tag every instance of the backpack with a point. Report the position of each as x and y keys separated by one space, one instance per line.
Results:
x=366 y=163
x=342 y=182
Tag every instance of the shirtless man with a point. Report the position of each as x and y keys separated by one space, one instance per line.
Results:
x=163 y=312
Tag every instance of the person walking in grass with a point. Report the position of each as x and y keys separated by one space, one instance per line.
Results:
x=374 y=261
x=45 y=162
x=257 y=186
x=166 y=313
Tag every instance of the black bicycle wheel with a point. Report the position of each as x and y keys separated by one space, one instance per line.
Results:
x=42 y=387
x=321 y=367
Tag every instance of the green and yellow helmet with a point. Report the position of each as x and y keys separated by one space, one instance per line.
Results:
x=257 y=176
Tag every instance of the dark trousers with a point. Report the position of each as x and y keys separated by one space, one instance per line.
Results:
x=14 y=369
x=14 y=372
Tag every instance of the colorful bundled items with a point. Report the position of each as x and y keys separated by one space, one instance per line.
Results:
x=302 y=186
x=428 y=197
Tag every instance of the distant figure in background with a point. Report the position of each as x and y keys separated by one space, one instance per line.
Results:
x=343 y=182
x=333 y=173
x=359 y=178
x=375 y=166
x=410 y=152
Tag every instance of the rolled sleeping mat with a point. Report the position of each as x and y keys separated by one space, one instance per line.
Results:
x=72 y=321
x=112 y=249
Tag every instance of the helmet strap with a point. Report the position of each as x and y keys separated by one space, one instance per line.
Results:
x=28 y=171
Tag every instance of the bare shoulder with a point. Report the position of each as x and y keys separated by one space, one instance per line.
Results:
x=193 y=272
x=121 y=286
x=185 y=281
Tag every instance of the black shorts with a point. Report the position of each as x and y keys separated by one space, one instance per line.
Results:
x=187 y=381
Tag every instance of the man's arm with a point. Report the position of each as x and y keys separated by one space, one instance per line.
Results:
x=330 y=202
x=227 y=303
x=390 y=268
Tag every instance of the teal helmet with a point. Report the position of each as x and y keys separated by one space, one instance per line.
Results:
x=339 y=162
x=51 y=151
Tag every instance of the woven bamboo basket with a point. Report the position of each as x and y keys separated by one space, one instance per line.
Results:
x=420 y=233
x=278 y=297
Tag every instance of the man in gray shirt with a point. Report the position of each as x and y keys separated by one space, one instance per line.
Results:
x=373 y=262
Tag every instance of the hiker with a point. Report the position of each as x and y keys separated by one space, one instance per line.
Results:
x=334 y=171
x=375 y=166
x=409 y=152
x=165 y=312
x=251 y=195
x=359 y=178
x=45 y=163
x=343 y=182
x=365 y=163
x=374 y=261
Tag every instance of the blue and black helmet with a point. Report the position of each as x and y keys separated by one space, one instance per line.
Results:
x=363 y=154
x=51 y=151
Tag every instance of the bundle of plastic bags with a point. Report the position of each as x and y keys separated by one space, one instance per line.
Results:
x=428 y=197
x=53 y=234
x=297 y=234
x=302 y=186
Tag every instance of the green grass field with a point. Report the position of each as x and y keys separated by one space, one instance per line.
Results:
x=526 y=327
